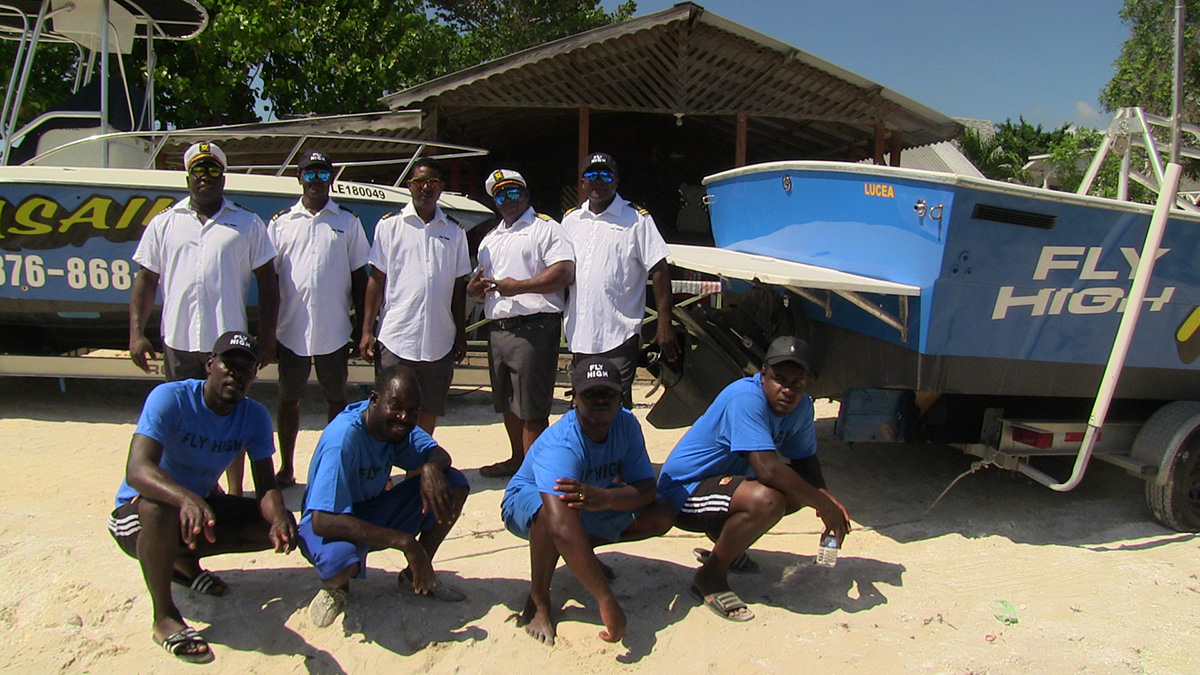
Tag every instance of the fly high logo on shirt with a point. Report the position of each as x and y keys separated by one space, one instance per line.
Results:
x=210 y=444
x=609 y=471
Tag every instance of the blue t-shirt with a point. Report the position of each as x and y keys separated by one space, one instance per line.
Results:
x=563 y=451
x=737 y=422
x=198 y=444
x=349 y=466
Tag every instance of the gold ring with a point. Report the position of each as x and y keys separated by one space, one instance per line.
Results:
x=580 y=496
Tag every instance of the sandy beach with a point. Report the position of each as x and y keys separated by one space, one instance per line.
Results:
x=1096 y=585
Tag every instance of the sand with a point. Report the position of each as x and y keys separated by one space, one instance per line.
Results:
x=1096 y=585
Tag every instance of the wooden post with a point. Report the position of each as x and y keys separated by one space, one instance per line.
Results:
x=880 y=142
x=739 y=148
x=584 y=143
x=894 y=150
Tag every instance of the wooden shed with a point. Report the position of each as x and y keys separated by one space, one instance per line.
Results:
x=673 y=96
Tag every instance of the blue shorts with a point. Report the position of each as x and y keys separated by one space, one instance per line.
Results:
x=519 y=510
x=395 y=509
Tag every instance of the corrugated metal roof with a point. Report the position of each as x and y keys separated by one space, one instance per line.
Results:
x=944 y=157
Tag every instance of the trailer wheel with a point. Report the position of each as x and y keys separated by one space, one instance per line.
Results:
x=1174 y=495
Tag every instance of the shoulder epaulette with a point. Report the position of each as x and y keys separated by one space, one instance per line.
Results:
x=387 y=215
x=349 y=211
x=239 y=206
x=573 y=209
x=640 y=209
x=544 y=216
x=277 y=215
x=453 y=219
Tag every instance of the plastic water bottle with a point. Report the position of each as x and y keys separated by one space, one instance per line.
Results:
x=827 y=552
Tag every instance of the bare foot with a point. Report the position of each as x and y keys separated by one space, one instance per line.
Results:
x=614 y=621
x=537 y=623
x=501 y=469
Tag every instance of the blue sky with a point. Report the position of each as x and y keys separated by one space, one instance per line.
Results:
x=992 y=59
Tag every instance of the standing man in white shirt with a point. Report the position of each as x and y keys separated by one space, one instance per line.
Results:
x=525 y=262
x=204 y=250
x=322 y=265
x=419 y=269
x=617 y=247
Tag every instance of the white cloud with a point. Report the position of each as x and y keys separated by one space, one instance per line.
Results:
x=1088 y=115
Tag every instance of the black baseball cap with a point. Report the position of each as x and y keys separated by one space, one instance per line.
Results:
x=236 y=341
x=600 y=159
x=595 y=372
x=314 y=158
x=788 y=349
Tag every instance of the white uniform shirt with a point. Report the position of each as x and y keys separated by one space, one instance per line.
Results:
x=422 y=261
x=316 y=254
x=522 y=251
x=614 y=251
x=204 y=268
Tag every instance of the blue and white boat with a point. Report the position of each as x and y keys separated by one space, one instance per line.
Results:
x=974 y=286
x=963 y=310
x=77 y=185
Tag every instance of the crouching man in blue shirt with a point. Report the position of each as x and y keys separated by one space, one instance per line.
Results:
x=586 y=481
x=169 y=513
x=726 y=479
x=349 y=510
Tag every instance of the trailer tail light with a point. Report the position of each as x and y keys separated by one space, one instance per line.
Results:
x=1045 y=440
x=1038 y=439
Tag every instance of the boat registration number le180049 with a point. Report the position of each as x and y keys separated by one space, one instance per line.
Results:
x=357 y=190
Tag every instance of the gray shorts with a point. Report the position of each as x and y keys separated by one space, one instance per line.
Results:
x=433 y=376
x=181 y=365
x=625 y=357
x=522 y=364
x=332 y=373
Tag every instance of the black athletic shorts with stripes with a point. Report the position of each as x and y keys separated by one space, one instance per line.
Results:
x=233 y=515
x=708 y=507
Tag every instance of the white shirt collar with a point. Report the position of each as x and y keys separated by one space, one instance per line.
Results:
x=615 y=208
x=410 y=211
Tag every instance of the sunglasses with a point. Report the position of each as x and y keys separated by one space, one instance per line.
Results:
x=511 y=194
x=210 y=170
x=591 y=176
x=311 y=175
x=422 y=183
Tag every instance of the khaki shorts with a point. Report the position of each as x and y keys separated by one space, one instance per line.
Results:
x=332 y=373
x=180 y=365
x=433 y=376
x=522 y=364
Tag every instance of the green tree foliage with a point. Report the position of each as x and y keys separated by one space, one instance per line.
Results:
x=991 y=158
x=1003 y=154
x=320 y=56
x=53 y=61
x=494 y=28
x=1144 y=68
